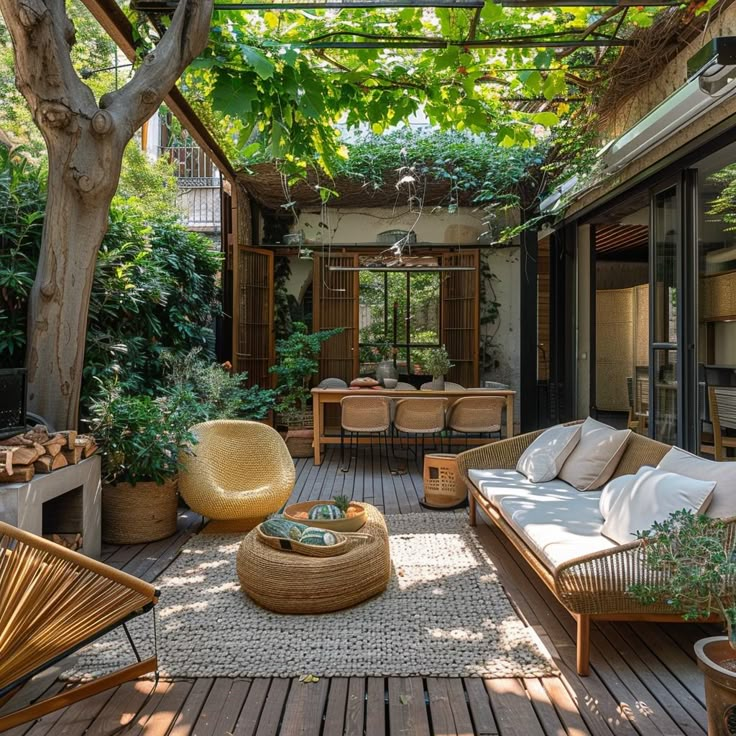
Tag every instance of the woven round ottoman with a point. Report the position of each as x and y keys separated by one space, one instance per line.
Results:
x=287 y=582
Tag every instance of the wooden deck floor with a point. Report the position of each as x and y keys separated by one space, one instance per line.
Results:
x=643 y=681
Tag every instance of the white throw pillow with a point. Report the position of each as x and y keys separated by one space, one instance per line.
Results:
x=542 y=460
x=592 y=463
x=652 y=495
x=610 y=493
x=723 y=503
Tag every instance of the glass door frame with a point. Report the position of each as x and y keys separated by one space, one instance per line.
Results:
x=686 y=374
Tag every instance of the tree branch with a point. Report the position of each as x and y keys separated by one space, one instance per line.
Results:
x=184 y=40
x=42 y=37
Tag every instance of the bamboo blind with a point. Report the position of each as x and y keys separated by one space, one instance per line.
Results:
x=614 y=348
x=336 y=305
x=718 y=297
x=255 y=318
x=460 y=316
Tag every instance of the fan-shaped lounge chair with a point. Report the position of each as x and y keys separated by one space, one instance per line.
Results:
x=237 y=473
x=52 y=602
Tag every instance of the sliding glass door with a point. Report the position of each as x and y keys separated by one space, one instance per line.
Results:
x=671 y=288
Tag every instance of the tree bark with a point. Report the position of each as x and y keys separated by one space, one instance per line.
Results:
x=85 y=142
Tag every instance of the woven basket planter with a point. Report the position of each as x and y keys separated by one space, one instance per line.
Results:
x=138 y=514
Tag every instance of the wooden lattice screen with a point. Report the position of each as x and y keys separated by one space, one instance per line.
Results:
x=460 y=316
x=255 y=318
x=336 y=305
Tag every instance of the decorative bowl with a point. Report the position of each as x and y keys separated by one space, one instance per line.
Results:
x=349 y=524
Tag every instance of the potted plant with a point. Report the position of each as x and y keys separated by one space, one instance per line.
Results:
x=696 y=557
x=140 y=439
x=437 y=363
x=297 y=363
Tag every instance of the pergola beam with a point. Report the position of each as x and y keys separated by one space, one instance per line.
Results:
x=439 y=43
x=166 y=6
x=587 y=3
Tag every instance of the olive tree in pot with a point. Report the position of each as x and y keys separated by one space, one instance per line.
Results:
x=297 y=363
x=140 y=439
x=438 y=364
x=697 y=558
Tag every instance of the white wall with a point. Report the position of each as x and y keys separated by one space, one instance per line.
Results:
x=462 y=228
x=351 y=225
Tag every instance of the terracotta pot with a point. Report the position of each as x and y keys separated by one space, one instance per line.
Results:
x=145 y=512
x=717 y=659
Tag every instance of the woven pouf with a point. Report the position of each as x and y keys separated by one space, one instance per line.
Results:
x=287 y=582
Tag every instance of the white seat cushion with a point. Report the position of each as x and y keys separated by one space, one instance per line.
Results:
x=557 y=522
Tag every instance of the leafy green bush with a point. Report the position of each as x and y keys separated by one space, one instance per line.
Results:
x=219 y=393
x=155 y=290
x=140 y=437
x=297 y=363
x=22 y=205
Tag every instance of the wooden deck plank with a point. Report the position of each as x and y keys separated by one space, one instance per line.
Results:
x=250 y=714
x=479 y=704
x=514 y=713
x=459 y=707
x=375 y=707
x=443 y=721
x=190 y=710
x=305 y=707
x=407 y=712
x=566 y=708
x=268 y=724
x=355 y=710
x=122 y=708
x=543 y=708
x=234 y=703
x=212 y=707
x=74 y=720
x=161 y=712
x=659 y=685
x=335 y=711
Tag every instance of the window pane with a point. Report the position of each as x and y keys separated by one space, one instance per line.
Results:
x=425 y=308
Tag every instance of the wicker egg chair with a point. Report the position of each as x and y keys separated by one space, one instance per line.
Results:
x=239 y=472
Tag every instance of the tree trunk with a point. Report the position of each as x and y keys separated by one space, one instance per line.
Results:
x=85 y=141
x=59 y=302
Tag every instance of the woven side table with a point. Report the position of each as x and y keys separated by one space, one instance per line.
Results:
x=443 y=486
x=286 y=582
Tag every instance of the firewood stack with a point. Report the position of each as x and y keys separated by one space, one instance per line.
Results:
x=70 y=541
x=36 y=451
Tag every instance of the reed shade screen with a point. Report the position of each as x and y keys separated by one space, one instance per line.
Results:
x=460 y=316
x=53 y=600
x=614 y=347
x=718 y=297
x=255 y=326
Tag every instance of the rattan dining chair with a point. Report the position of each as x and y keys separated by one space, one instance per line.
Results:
x=479 y=415
x=363 y=415
x=53 y=602
x=420 y=418
x=238 y=473
x=722 y=401
x=403 y=386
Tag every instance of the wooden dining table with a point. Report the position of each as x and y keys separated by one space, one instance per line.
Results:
x=321 y=397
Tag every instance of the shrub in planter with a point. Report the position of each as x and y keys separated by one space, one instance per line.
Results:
x=140 y=439
x=697 y=558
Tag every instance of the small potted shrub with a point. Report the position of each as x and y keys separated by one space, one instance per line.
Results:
x=437 y=363
x=697 y=558
x=140 y=439
x=297 y=363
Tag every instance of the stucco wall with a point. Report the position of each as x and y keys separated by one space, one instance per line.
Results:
x=461 y=228
x=672 y=76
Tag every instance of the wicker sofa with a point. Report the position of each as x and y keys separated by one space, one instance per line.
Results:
x=590 y=586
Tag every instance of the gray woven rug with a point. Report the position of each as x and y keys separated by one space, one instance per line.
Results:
x=444 y=614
